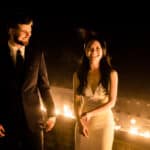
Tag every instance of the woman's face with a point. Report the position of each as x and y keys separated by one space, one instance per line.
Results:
x=94 y=51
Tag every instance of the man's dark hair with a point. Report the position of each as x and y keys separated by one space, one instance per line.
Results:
x=19 y=18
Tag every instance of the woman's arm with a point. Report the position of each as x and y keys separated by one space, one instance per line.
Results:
x=77 y=98
x=78 y=103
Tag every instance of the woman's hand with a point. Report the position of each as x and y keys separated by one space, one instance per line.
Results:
x=83 y=126
x=83 y=129
x=85 y=117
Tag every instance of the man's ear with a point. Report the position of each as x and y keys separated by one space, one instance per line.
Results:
x=10 y=31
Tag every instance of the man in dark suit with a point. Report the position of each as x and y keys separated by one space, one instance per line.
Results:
x=21 y=89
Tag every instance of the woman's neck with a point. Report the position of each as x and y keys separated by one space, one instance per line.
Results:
x=94 y=66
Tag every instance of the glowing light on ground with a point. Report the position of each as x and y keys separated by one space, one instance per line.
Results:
x=133 y=121
x=67 y=112
x=133 y=130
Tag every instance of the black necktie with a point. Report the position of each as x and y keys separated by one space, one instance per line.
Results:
x=19 y=66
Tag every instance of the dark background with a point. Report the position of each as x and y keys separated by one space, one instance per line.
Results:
x=128 y=44
x=62 y=39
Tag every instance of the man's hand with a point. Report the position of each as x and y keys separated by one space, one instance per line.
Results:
x=50 y=123
x=2 y=131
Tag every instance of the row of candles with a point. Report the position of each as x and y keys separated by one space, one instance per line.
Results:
x=133 y=129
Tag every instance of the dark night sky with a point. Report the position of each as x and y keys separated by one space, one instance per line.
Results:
x=129 y=46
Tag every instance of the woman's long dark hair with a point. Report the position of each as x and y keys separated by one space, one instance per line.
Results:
x=105 y=67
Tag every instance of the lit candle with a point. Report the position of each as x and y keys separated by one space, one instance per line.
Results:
x=43 y=111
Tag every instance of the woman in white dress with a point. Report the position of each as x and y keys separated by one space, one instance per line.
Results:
x=95 y=86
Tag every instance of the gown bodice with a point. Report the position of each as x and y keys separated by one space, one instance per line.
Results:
x=94 y=99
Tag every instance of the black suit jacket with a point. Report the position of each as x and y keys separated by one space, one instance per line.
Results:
x=19 y=102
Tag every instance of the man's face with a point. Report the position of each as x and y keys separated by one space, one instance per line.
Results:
x=22 y=34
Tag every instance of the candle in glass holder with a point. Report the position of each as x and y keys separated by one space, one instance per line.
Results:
x=43 y=111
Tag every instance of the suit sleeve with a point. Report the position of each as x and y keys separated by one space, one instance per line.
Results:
x=44 y=87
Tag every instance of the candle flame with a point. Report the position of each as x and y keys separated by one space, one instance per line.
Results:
x=43 y=109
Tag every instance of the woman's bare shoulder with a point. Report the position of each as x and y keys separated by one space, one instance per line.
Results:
x=114 y=74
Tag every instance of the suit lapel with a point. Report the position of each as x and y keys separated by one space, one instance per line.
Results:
x=9 y=61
